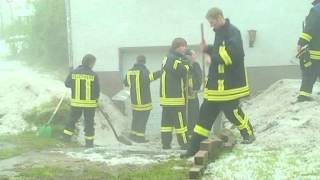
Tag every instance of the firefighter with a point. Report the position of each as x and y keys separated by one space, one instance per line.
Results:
x=227 y=82
x=138 y=78
x=172 y=95
x=309 y=42
x=85 y=90
x=194 y=84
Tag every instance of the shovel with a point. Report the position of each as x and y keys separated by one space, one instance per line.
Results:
x=120 y=138
x=46 y=130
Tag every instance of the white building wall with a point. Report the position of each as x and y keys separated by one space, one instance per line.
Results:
x=103 y=26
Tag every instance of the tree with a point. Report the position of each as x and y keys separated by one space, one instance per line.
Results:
x=47 y=39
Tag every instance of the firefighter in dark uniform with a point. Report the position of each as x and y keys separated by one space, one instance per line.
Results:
x=138 y=78
x=172 y=95
x=85 y=90
x=227 y=82
x=194 y=84
x=309 y=42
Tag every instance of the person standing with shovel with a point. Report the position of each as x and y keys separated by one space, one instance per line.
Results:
x=85 y=90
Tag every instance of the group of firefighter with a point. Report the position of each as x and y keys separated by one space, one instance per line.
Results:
x=180 y=82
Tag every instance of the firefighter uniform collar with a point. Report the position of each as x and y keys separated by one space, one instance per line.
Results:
x=224 y=27
x=139 y=65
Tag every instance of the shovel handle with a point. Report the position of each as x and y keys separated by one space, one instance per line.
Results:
x=55 y=111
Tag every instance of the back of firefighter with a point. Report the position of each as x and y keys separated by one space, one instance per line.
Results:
x=138 y=78
x=227 y=82
x=310 y=60
x=172 y=95
x=85 y=90
x=194 y=84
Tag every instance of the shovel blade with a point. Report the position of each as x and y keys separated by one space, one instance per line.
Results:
x=45 y=131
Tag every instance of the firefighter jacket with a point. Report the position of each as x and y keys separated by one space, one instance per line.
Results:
x=138 y=78
x=172 y=84
x=195 y=80
x=227 y=77
x=85 y=88
x=311 y=36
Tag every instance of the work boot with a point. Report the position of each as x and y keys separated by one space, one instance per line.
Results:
x=141 y=140
x=89 y=144
x=65 y=138
x=184 y=146
x=304 y=98
x=166 y=147
x=248 y=140
x=194 y=146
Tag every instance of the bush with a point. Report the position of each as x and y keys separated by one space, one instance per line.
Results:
x=39 y=116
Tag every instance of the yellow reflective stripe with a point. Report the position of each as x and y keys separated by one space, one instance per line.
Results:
x=220 y=85
x=83 y=103
x=77 y=89
x=187 y=67
x=141 y=107
x=220 y=68
x=225 y=97
x=182 y=87
x=224 y=55
x=201 y=131
x=68 y=132
x=226 y=92
x=180 y=119
x=244 y=123
x=88 y=89
x=181 y=130
x=137 y=133
x=317 y=57
x=138 y=91
x=128 y=79
x=151 y=77
x=166 y=129
x=163 y=83
x=303 y=93
x=176 y=63
x=305 y=36
x=307 y=64
x=89 y=137
x=172 y=101
x=313 y=52
x=190 y=82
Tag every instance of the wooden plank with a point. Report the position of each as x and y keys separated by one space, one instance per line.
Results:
x=201 y=158
x=196 y=172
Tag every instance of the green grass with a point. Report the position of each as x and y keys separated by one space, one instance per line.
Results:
x=28 y=141
x=6 y=153
x=162 y=171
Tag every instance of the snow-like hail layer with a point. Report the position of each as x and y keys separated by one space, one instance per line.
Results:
x=288 y=138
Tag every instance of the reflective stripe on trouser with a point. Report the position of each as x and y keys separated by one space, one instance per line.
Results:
x=309 y=77
x=139 y=122
x=209 y=111
x=75 y=114
x=173 y=118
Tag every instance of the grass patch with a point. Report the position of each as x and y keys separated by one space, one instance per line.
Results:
x=28 y=141
x=6 y=153
x=171 y=170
